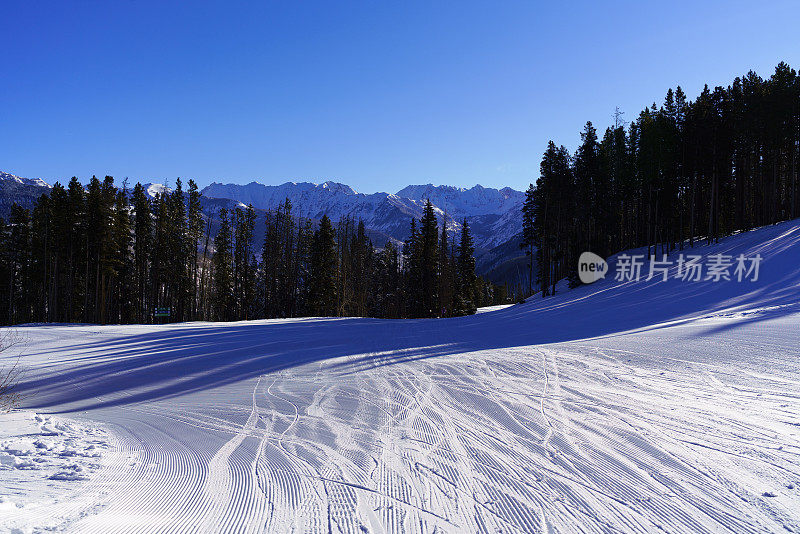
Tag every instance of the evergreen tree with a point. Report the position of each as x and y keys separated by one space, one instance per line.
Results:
x=224 y=305
x=270 y=262
x=40 y=269
x=361 y=254
x=19 y=310
x=62 y=228
x=178 y=251
x=465 y=300
x=95 y=255
x=445 y=289
x=412 y=273
x=323 y=270
x=429 y=261
x=124 y=287
x=726 y=161
x=285 y=235
x=5 y=273
x=160 y=276
x=305 y=243
x=244 y=275
x=194 y=219
x=529 y=239
x=386 y=301
x=97 y=235
x=142 y=242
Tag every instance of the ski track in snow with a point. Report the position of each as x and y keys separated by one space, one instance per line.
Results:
x=462 y=425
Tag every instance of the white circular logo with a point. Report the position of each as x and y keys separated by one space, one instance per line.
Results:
x=591 y=267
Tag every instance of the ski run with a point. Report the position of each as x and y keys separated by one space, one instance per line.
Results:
x=644 y=406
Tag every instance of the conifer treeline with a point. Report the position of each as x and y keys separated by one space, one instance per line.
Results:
x=103 y=254
x=724 y=162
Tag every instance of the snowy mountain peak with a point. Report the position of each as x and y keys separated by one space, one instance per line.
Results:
x=422 y=191
x=155 y=189
x=338 y=188
x=477 y=200
x=7 y=177
x=17 y=190
x=508 y=192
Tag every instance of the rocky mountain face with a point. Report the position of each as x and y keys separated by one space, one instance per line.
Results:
x=23 y=191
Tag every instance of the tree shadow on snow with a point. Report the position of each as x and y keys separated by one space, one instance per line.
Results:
x=174 y=360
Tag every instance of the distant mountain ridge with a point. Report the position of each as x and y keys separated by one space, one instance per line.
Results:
x=7 y=177
x=493 y=214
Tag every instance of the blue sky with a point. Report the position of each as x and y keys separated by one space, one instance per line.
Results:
x=378 y=95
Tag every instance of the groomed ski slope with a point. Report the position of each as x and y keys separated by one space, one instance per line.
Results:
x=638 y=407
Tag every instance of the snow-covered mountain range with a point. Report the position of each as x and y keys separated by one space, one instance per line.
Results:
x=6 y=177
x=493 y=214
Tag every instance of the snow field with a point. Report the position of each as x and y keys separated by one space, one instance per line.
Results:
x=53 y=470
x=636 y=407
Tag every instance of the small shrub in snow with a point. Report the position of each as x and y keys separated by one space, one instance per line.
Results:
x=9 y=376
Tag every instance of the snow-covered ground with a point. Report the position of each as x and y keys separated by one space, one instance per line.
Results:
x=637 y=407
x=53 y=470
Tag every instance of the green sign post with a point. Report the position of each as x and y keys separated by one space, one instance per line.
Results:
x=162 y=312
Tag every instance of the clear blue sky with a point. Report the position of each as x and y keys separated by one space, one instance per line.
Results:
x=377 y=94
